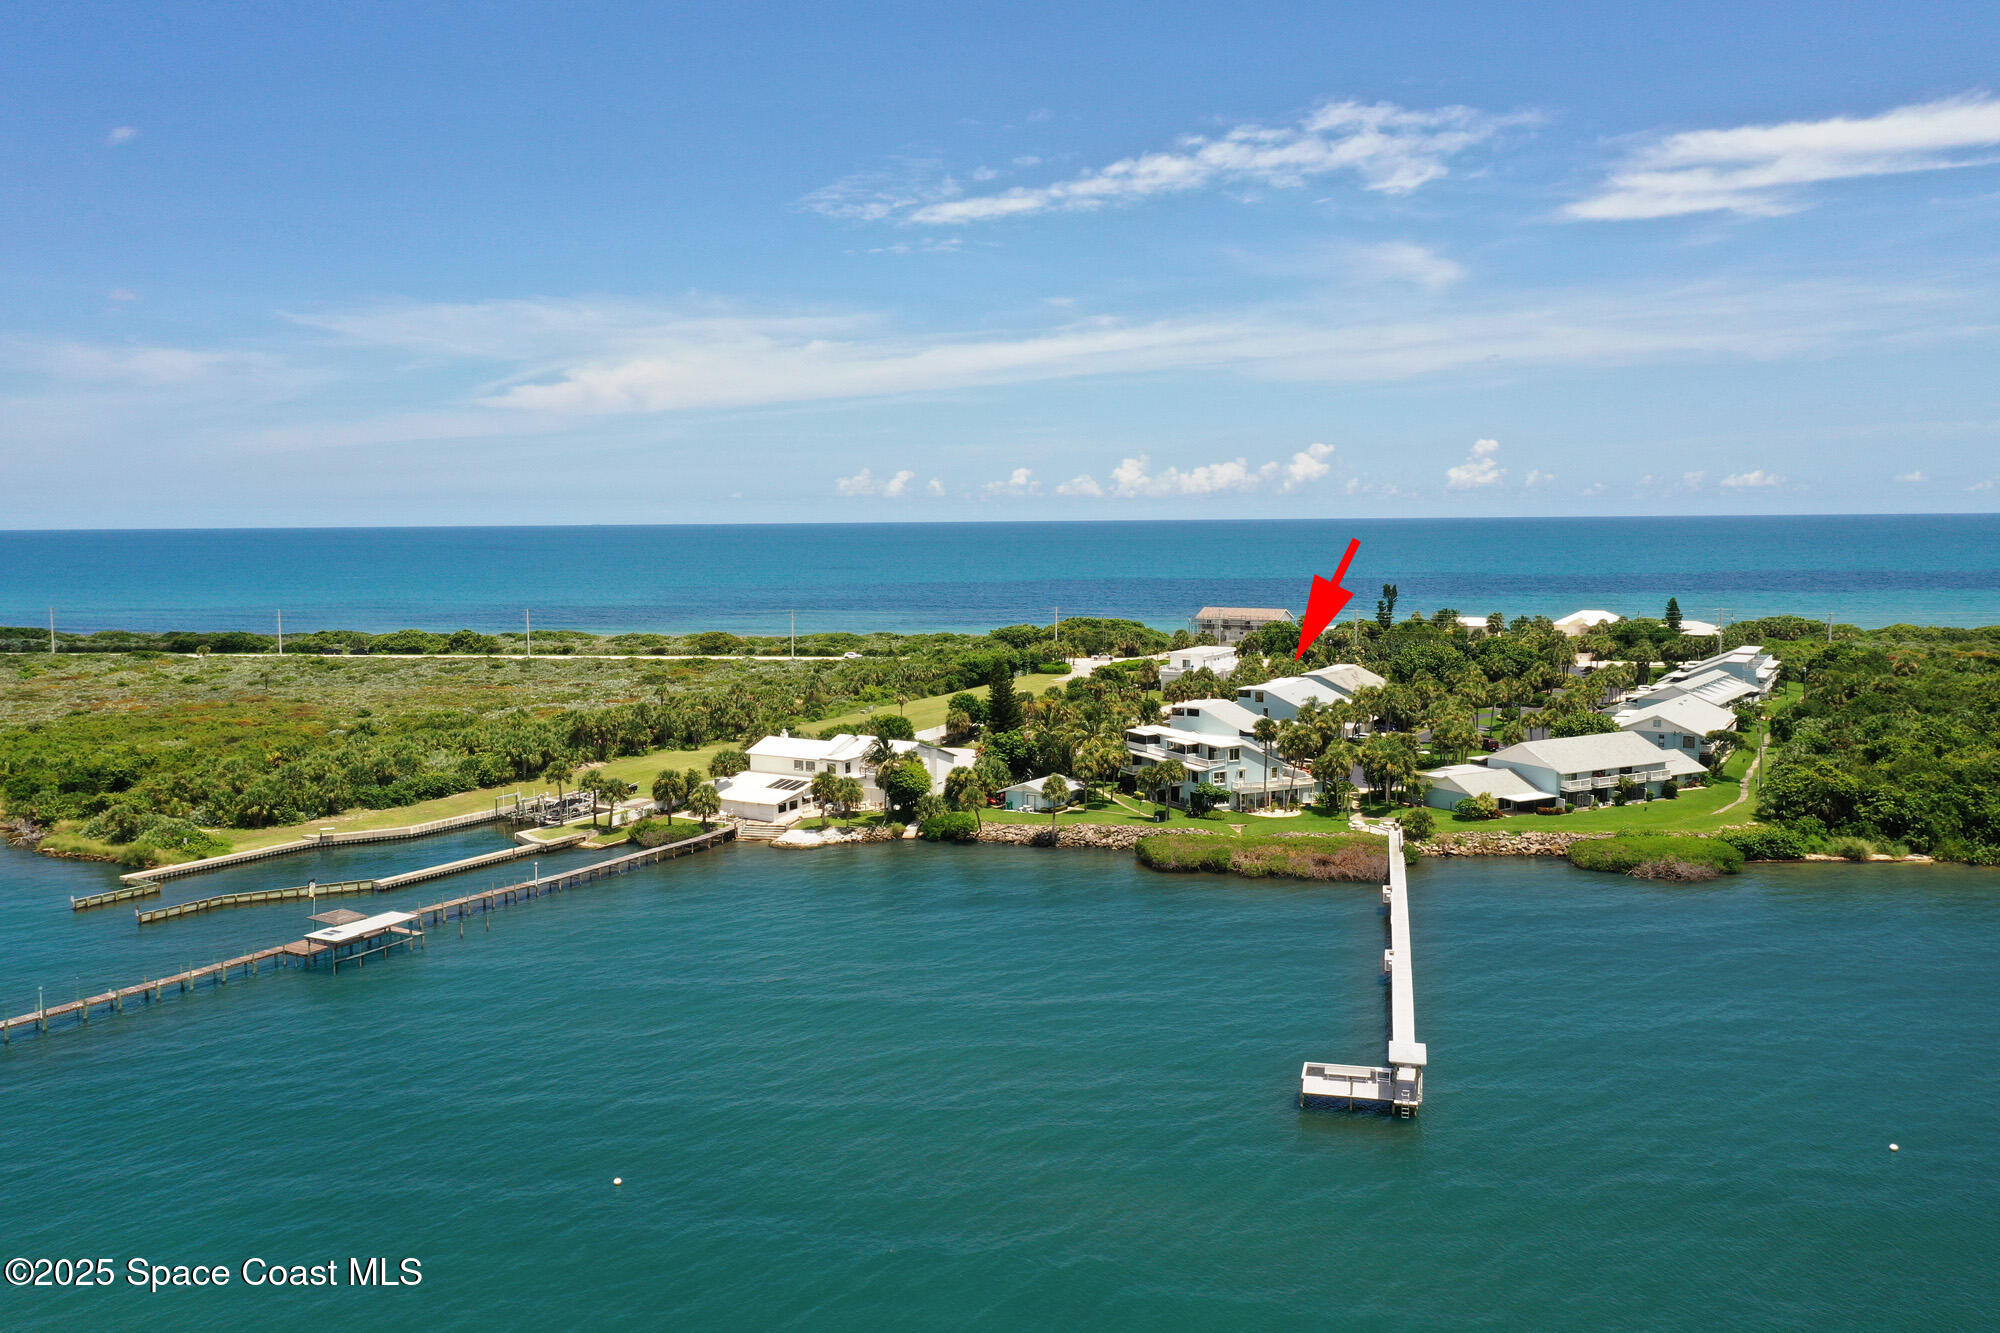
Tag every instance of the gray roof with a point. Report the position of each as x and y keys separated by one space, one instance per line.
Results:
x=1348 y=678
x=1576 y=754
x=1684 y=711
x=1472 y=779
x=1297 y=690
x=1681 y=764
x=1226 y=712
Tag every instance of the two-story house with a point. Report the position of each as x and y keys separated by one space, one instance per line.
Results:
x=1215 y=740
x=776 y=787
x=1230 y=623
x=1214 y=657
x=1584 y=770
x=1679 y=723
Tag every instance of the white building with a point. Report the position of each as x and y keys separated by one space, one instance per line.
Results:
x=1700 y=629
x=1282 y=698
x=1230 y=623
x=1678 y=723
x=1585 y=769
x=776 y=787
x=1582 y=622
x=1028 y=795
x=1714 y=687
x=1509 y=790
x=1749 y=663
x=1215 y=740
x=1214 y=657
x=1346 y=679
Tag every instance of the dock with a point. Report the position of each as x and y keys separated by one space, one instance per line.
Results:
x=124 y=893
x=392 y=934
x=1397 y=1085
x=312 y=842
x=303 y=892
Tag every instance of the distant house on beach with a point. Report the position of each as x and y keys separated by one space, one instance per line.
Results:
x=1230 y=623
x=1582 y=622
x=1180 y=661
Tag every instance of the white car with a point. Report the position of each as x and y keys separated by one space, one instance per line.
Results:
x=845 y=655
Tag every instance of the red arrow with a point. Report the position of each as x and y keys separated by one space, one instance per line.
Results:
x=1325 y=601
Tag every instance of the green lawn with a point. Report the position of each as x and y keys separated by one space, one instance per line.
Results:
x=639 y=769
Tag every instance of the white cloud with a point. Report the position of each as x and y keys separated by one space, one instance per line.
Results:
x=1911 y=476
x=1480 y=468
x=121 y=134
x=1404 y=261
x=122 y=294
x=934 y=488
x=870 y=196
x=1307 y=466
x=1021 y=481
x=1741 y=480
x=1391 y=149
x=1986 y=485
x=1758 y=170
x=865 y=482
x=1134 y=477
x=1595 y=488
x=1537 y=478
x=583 y=357
x=1693 y=480
x=137 y=366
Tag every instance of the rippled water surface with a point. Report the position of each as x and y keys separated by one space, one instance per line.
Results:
x=997 y=1087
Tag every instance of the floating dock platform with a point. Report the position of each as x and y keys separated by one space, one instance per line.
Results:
x=1396 y=1087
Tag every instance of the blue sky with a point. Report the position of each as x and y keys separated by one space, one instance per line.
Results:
x=508 y=263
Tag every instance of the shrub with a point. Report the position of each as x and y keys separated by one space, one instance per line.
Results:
x=1419 y=823
x=1852 y=849
x=1674 y=870
x=1766 y=844
x=930 y=805
x=1628 y=851
x=1481 y=806
x=1354 y=857
x=951 y=826
x=657 y=831
x=896 y=830
x=1670 y=790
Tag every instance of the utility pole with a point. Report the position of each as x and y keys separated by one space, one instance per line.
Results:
x=528 y=623
x=1058 y=611
x=281 y=632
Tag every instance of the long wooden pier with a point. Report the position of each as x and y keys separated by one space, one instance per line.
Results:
x=1397 y=1087
x=253 y=898
x=78 y=1013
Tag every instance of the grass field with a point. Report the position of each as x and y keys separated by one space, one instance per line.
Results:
x=639 y=769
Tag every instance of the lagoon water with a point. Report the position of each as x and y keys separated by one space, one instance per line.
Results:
x=913 y=1086
x=919 y=577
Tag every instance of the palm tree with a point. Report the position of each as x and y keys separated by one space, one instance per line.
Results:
x=1266 y=732
x=1098 y=759
x=1056 y=792
x=558 y=773
x=670 y=789
x=705 y=803
x=826 y=793
x=1163 y=777
x=966 y=789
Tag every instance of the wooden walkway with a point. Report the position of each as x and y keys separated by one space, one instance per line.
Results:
x=302 y=892
x=123 y=894
x=78 y=1013
x=306 y=844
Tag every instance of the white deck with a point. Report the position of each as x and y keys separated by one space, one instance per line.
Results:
x=1399 y=1087
x=354 y=930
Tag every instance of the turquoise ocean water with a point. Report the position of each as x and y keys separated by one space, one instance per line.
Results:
x=992 y=1087
x=972 y=576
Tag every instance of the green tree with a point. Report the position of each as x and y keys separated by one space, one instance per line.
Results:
x=1003 y=706
x=670 y=790
x=825 y=790
x=1159 y=780
x=1056 y=792
x=1480 y=805
x=705 y=803
x=558 y=774
x=1266 y=732
x=902 y=783
x=965 y=789
x=1097 y=761
x=1204 y=797
x=1385 y=608
x=1674 y=614
x=728 y=763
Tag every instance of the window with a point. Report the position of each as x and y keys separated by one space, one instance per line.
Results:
x=798 y=764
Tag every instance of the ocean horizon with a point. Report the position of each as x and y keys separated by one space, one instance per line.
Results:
x=1867 y=570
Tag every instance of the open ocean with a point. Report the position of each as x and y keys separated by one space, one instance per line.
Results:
x=1000 y=1087
x=1859 y=570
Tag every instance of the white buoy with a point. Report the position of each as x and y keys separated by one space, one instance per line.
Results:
x=618 y=1180
x=1894 y=1148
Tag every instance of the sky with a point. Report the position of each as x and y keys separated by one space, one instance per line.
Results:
x=385 y=264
